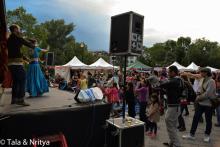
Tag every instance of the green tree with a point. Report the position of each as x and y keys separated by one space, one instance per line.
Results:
x=204 y=52
x=60 y=40
x=25 y=20
x=59 y=33
x=40 y=34
x=56 y=34
x=146 y=57
x=170 y=45
x=183 y=44
x=157 y=54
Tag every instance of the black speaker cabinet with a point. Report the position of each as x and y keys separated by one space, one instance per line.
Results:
x=128 y=134
x=50 y=59
x=126 y=36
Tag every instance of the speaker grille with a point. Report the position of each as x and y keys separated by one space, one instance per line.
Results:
x=137 y=34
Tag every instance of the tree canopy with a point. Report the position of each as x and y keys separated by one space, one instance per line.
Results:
x=201 y=51
x=55 y=34
x=58 y=35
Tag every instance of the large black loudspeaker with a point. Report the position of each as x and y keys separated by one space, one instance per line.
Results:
x=50 y=59
x=126 y=36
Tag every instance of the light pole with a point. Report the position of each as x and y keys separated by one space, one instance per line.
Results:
x=113 y=62
x=205 y=54
x=187 y=54
x=82 y=47
x=204 y=51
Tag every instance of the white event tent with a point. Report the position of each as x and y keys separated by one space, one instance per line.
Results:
x=180 y=67
x=101 y=64
x=213 y=69
x=192 y=67
x=64 y=70
x=75 y=63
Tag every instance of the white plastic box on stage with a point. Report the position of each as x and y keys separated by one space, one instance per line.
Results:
x=90 y=95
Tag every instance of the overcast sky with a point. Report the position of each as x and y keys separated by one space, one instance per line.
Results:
x=164 y=19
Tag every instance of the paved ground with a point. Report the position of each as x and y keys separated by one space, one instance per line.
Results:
x=163 y=136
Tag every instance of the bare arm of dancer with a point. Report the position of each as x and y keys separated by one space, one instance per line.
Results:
x=190 y=75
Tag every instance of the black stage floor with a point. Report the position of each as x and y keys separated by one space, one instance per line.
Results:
x=56 y=111
x=55 y=99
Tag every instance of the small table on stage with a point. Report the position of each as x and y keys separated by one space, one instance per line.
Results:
x=127 y=134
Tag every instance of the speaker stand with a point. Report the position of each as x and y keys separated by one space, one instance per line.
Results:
x=124 y=103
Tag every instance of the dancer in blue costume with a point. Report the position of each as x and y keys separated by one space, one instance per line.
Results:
x=36 y=83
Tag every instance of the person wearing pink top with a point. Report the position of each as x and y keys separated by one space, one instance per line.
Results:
x=112 y=94
x=143 y=97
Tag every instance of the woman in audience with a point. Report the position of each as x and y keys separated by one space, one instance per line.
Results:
x=130 y=99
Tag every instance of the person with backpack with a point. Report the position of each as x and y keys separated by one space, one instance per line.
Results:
x=174 y=88
x=203 y=100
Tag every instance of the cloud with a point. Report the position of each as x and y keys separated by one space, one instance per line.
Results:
x=164 y=19
x=152 y=36
x=92 y=21
x=90 y=17
x=94 y=6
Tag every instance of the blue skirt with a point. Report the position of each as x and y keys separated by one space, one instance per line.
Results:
x=36 y=83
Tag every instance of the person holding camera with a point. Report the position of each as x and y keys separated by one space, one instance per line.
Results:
x=204 y=105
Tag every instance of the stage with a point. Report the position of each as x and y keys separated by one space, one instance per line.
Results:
x=56 y=111
x=55 y=99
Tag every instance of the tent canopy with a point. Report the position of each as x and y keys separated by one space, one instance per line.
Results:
x=64 y=70
x=180 y=67
x=101 y=64
x=139 y=66
x=192 y=66
x=212 y=69
x=75 y=63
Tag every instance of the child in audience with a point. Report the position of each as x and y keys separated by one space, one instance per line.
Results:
x=153 y=115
